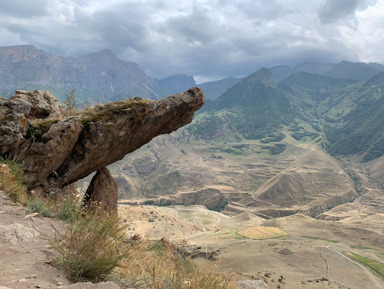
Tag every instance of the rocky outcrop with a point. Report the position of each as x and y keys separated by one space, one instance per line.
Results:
x=58 y=151
x=102 y=192
x=16 y=113
x=116 y=130
x=13 y=123
x=44 y=104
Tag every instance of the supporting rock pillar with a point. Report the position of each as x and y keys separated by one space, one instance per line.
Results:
x=102 y=192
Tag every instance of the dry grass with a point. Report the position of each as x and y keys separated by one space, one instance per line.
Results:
x=91 y=247
x=260 y=233
x=152 y=265
x=12 y=181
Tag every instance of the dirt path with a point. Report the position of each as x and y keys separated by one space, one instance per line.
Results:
x=25 y=251
x=369 y=273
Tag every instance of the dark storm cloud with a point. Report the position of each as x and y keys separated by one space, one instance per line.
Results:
x=205 y=38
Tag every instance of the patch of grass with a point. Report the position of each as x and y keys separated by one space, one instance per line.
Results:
x=318 y=238
x=373 y=264
x=68 y=210
x=104 y=112
x=154 y=266
x=40 y=206
x=185 y=215
x=206 y=222
x=91 y=247
x=363 y=248
x=260 y=233
x=230 y=235
x=12 y=180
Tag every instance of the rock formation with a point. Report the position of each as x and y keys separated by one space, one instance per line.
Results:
x=58 y=151
x=102 y=192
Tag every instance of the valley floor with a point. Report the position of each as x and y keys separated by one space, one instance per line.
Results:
x=314 y=254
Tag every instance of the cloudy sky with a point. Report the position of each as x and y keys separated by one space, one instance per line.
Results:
x=209 y=39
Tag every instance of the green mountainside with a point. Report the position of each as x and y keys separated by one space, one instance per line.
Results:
x=250 y=109
x=273 y=149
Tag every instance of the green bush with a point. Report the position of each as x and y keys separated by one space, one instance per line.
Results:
x=39 y=206
x=69 y=209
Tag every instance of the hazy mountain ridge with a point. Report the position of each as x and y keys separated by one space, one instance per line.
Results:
x=97 y=77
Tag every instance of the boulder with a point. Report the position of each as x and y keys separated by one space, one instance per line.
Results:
x=15 y=233
x=16 y=113
x=102 y=192
x=44 y=152
x=13 y=123
x=44 y=104
x=252 y=284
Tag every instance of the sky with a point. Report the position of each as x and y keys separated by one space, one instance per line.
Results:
x=208 y=39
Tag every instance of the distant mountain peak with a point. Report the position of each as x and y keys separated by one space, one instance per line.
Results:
x=177 y=83
x=263 y=75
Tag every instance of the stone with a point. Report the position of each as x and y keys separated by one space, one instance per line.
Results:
x=285 y=251
x=252 y=284
x=102 y=191
x=89 y=285
x=13 y=123
x=44 y=153
x=16 y=113
x=16 y=232
x=104 y=141
x=44 y=104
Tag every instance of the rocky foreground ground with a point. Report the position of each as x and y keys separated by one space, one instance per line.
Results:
x=25 y=251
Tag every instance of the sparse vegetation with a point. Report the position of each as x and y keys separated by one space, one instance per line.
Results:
x=70 y=102
x=12 y=181
x=260 y=233
x=91 y=247
x=322 y=239
x=40 y=206
x=376 y=266
x=153 y=265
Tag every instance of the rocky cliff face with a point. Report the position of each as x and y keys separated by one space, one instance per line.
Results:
x=57 y=151
x=100 y=74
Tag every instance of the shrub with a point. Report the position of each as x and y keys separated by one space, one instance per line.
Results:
x=40 y=206
x=68 y=210
x=91 y=246
x=12 y=181
x=70 y=102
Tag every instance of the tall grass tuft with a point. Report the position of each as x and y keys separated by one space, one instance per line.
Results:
x=91 y=246
x=12 y=182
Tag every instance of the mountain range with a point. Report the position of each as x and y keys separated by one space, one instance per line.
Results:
x=271 y=116
x=299 y=149
x=96 y=77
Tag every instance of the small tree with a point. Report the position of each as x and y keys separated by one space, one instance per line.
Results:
x=70 y=102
